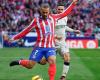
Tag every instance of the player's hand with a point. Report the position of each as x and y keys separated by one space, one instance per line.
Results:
x=58 y=38
x=11 y=40
x=75 y=1
x=77 y=31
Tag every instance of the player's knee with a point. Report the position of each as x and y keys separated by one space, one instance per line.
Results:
x=42 y=63
x=51 y=61
x=30 y=67
x=31 y=64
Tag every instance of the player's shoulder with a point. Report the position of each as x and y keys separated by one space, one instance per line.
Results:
x=52 y=15
x=36 y=19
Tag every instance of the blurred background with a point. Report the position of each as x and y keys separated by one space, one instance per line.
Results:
x=15 y=15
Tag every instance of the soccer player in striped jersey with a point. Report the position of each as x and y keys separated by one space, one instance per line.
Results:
x=60 y=40
x=45 y=45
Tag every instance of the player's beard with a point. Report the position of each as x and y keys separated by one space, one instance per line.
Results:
x=44 y=17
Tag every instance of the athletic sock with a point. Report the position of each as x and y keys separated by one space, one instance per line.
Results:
x=52 y=71
x=65 y=68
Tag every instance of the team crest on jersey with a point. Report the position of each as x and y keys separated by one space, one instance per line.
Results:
x=48 y=32
x=47 y=28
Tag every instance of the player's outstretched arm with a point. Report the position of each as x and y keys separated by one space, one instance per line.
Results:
x=77 y=31
x=72 y=30
x=67 y=11
x=24 y=32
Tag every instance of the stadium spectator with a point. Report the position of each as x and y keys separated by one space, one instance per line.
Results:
x=14 y=14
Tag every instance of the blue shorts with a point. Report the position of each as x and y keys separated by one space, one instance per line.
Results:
x=38 y=53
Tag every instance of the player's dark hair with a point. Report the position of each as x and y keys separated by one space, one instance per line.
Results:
x=61 y=4
x=44 y=5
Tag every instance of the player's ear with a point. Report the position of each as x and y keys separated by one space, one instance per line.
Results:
x=40 y=11
x=50 y=11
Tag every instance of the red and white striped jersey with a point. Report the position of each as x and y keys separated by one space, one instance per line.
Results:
x=44 y=28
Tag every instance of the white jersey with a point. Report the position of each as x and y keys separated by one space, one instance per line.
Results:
x=60 y=31
x=61 y=28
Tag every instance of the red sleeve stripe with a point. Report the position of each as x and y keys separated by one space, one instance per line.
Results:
x=66 y=12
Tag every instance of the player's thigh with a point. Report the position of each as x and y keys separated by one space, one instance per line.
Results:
x=51 y=56
x=36 y=55
x=64 y=49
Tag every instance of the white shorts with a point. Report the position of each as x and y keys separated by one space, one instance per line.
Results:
x=62 y=47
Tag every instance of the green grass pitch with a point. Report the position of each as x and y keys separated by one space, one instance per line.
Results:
x=85 y=65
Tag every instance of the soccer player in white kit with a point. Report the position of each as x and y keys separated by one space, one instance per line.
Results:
x=60 y=40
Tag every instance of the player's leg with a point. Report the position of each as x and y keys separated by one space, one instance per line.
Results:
x=34 y=57
x=66 y=56
x=26 y=63
x=66 y=66
x=51 y=57
x=43 y=61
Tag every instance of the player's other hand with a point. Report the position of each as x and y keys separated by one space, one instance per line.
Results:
x=77 y=31
x=11 y=40
x=75 y=1
x=58 y=38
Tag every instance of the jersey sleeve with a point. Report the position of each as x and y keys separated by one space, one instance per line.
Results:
x=65 y=13
x=69 y=29
x=25 y=31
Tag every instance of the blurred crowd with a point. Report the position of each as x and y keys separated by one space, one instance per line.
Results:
x=86 y=17
x=15 y=15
